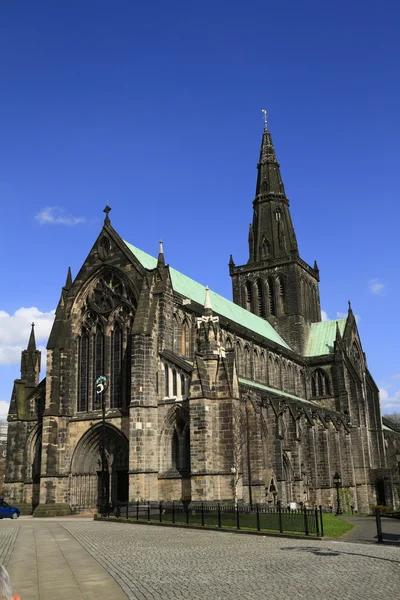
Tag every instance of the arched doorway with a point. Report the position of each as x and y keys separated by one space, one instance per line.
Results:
x=85 y=477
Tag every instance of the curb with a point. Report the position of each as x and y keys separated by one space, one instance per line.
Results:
x=200 y=528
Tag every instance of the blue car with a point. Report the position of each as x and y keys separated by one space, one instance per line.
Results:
x=7 y=511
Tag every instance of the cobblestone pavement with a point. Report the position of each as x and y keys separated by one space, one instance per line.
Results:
x=8 y=535
x=153 y=562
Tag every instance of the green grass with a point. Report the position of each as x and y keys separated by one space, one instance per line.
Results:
x=335 y=526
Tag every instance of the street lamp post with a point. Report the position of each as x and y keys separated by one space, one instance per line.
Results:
x=101 y=385
x=337 y=480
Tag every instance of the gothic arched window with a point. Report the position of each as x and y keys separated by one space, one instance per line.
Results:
x=83 y=372
x=174 y=383
x=116 y=363
x=271 y=296
x=249 y=295
x=281 y=294
x=166 y=378
x=98 y=364
x=260 y=299
x=320 y=384
x=175 y=450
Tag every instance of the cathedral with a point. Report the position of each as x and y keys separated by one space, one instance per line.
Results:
x=207 y=399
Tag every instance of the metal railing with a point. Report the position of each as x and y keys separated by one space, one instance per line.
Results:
x=224 y=516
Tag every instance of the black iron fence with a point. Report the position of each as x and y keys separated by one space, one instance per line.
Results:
x=225 y=516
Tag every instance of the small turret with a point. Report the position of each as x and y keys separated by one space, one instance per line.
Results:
x=30 y=361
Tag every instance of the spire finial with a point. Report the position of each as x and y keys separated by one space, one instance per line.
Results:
x=106 y=210
x=161 y=247
x=349 y=303
x=265 y=117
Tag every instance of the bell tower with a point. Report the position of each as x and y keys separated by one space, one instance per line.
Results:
x=275 y=283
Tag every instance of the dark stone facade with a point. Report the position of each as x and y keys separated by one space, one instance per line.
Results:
x=199 y=406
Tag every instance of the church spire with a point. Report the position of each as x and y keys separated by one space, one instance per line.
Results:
x=271 y=235
x=68 y=282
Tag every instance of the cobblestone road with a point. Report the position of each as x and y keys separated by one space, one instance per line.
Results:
x=153 y=562
x=8 y=535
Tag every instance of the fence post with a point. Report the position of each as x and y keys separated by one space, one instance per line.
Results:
x=305 y=521
x=127 y=510
x=148 y=511
x=160 y=507
x=237 y=517
x=258 y=518
x=321 y=521
x=137 y=510
x=316 y=521
x=202 y=514
x=219 y=515
x=379 y=525
x=173 y=511
x=280 y=518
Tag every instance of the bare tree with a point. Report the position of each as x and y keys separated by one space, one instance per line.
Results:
x=243 y=435
x=394 y=418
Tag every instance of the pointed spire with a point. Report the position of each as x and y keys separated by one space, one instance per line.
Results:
x=316 y=266
x=32 y=341
x=231 y=263
x=207 y=302
x=269 y=180
x=68 y=282
x=161 y=259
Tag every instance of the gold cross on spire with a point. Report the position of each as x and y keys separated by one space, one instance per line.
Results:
x=264 y=112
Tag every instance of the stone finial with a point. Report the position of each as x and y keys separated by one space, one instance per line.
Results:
x=265 y=117
x=68 y=282
x=32 y=341
x=106 y=210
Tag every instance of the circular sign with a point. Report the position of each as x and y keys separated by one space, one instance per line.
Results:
x=101 y=384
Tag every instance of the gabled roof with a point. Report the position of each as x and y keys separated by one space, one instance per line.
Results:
x=195 y=291
x=322 y=336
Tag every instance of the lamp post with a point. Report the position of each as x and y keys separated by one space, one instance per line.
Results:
x=101 y=384
x=337 y=480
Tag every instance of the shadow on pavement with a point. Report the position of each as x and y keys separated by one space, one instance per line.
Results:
x=318 y=552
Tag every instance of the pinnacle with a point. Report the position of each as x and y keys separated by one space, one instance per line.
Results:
x=32 y=341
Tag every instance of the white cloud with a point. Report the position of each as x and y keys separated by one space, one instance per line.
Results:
x=324 y=316
x=396 y=376
x=15 y=330
x=376 y=287
x=4 y=409
x=53 y=215
x=389 y=403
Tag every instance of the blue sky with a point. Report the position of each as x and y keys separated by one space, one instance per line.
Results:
x=155 y=109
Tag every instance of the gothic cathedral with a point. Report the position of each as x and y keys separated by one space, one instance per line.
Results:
x=191 y=376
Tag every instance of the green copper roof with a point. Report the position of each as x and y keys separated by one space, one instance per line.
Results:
x=195 y=291
x=386 y=428
x=322 y=336
x=259 y=386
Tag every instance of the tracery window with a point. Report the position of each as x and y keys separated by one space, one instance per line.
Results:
x=83 y=370
x=320 y=384
x=104 y=344
x=116 y=364
x=98 y=364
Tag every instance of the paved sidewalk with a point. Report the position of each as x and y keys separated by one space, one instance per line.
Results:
x=364 y=530
x=47 y=563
